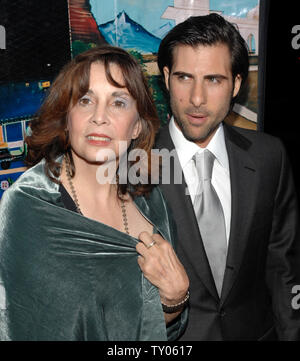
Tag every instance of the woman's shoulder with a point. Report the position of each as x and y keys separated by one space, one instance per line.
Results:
x=33 y=181
x=29 y=175
x=156 y=199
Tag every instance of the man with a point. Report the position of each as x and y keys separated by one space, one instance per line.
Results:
x=238 y=227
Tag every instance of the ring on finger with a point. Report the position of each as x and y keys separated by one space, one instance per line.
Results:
x=151 y=244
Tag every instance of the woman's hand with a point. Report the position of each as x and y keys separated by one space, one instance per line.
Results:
x=163 y=269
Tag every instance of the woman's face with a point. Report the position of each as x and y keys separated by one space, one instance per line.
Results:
x=102 y=118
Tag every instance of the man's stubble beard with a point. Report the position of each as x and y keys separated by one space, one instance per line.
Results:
x=185 y=128
x=193 y=138
x=205 y=131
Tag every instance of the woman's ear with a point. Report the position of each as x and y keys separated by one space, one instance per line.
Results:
x=137 y=129
x=67 y=123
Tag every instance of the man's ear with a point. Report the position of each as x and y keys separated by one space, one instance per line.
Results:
x=166 y=76
x=237 y=85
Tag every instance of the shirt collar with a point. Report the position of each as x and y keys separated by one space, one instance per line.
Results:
x=187 y=149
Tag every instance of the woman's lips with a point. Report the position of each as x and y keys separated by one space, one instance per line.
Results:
x=98 y=139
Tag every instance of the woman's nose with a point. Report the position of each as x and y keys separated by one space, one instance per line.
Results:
x=99 y=115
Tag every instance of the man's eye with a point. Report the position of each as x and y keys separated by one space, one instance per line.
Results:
x=183 y=77
x=214 y=80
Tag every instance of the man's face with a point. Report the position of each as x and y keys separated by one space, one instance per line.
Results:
x=201 y=88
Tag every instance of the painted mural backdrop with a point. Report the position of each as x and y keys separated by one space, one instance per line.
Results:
x=136 y=25
x=139 y=25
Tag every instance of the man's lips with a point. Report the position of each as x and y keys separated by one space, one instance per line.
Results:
x=197 y=118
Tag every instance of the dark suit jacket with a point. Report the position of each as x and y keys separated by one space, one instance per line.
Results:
x=263 y=261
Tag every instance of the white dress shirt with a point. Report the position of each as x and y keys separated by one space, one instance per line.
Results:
x=220 y=174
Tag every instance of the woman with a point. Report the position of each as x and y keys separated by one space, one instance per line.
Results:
x=86 y=256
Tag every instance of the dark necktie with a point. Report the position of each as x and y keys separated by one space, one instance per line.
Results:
x=210 y=217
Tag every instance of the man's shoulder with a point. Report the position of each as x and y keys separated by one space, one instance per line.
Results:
x=247 y=139
x=265 y=151
x=252 y=138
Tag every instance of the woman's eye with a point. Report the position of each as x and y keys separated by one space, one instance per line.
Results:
x=84 y=101
x=120 y=103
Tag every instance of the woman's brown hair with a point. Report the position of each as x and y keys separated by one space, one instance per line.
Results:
x=49 y=138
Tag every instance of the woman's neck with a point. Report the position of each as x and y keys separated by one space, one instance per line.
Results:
x=89 y=180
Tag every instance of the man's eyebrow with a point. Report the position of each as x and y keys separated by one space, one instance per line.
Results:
x=208 y=76
x=218 y=76
x=182 y=73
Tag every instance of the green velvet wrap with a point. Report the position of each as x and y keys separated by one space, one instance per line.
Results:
x=67 y=277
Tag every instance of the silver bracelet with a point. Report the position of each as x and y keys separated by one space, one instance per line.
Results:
x=177 y=306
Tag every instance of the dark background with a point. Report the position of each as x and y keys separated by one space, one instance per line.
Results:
x=37 y=39
x=279 y=76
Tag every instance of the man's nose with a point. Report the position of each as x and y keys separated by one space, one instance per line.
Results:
x=198 y=94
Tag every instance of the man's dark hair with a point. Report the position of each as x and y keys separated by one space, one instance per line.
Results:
x=206 y=30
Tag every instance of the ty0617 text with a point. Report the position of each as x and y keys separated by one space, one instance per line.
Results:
x=171 y=350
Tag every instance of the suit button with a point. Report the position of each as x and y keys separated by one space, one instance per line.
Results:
x=222 y=313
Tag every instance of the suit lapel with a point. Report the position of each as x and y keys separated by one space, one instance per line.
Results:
x=183 y=213
x=244 y=192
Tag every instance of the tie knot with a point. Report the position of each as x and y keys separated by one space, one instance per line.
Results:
x=204 y=164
